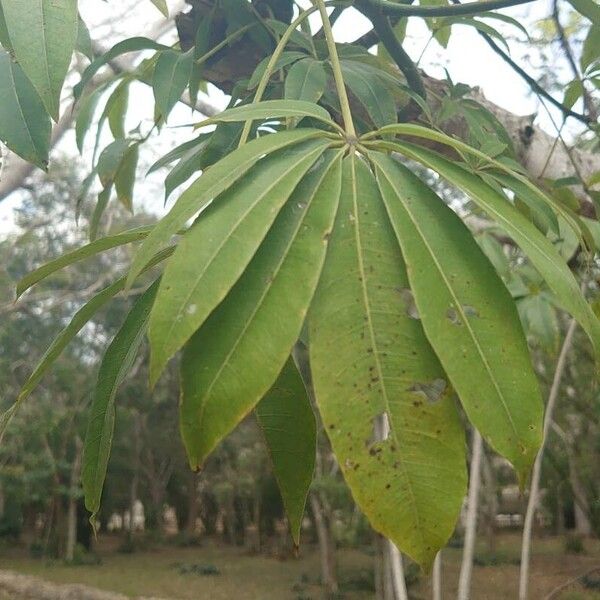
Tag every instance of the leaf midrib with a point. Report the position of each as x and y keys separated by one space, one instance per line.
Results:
x=226 y=240
x=458 y=306
x=266 y=291
x=367 y=305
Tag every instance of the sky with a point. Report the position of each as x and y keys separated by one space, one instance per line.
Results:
x=467 y=58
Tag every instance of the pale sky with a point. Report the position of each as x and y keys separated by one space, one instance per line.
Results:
x=467 y=58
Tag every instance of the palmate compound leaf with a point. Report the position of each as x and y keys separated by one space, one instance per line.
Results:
x=468 y=315
x=215 y=251
x=116 y=362
x=540 y=251
x=43 y=34
x=372 y=363
x=288 y=424
x=235 y=357
x=209 y=185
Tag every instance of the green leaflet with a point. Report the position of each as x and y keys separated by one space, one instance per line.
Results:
x=116 y=362
x=60 y=342
x=411 y=129
x=467 y=314
x=24 y=123
x=288 y=424
x=84 y=41
x=116 y=109
x=542 y=254
x=106 y=243
x=85 y=114
x=81 y=317
x=43 y=34
x=4 y=37
x=215 y=251
x=171 y=77
x=371 y=363
x=540 y=321
x=371 y=91
x=284 y=60
x=189 y=163
x=125 y=177
x=213 y=182
x=134 y=44
x=234 y=358
x=270 y=109
x=591 y=48
x=162 y=6
x=306 y=80
x=588 y=8
x=177 y=153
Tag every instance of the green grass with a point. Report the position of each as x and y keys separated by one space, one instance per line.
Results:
x=156 y=572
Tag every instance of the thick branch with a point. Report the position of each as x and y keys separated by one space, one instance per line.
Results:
x=471 y=8
x=383 y=28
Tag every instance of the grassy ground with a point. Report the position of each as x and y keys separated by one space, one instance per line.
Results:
x=157 y=572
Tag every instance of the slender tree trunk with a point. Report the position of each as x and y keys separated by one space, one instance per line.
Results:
x=396 y=571
x=537 y=465
x=436 y=577
x=466 y=567
x=193 y=506
x=393 y=558
x=491 y=500
x=326 y=549
x=379 y=567
x=2 y=500
x=581 y=506
x=72 y=508
x=135 y=477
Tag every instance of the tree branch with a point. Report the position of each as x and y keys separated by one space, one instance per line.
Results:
x=535 y=86
x=562 y=38
x=383 y=28
x=471 y=8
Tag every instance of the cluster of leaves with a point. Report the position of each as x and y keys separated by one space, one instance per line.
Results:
x=310 y=234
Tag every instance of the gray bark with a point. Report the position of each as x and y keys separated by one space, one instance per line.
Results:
x=326 y=549
x=436 y=577
x=537 y=465
x=466 y=567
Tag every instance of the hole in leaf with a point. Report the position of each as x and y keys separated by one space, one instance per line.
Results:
x=409 y=302
x=380 y=431
x=432 y=390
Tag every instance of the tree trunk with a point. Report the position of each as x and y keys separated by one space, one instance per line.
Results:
x=491 y=501
x=581 y=506
x=436 y=577
x=73 y=498
x=466 y=567
x=537 y=465
x=393 y=558
x=193 y=506
x=326 y=546
x=135 y=476
x=2 y=500
x=396 y=568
